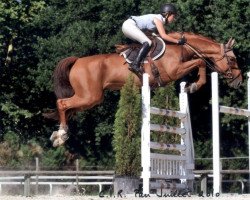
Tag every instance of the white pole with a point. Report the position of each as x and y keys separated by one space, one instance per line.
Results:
x=183 y=108
x=145 y=134
x=248 y=101
x=216 y=134
x=186 y=139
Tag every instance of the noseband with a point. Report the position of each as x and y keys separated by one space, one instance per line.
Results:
x=228 y=74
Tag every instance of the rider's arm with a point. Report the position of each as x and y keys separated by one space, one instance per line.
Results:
x=162 y=32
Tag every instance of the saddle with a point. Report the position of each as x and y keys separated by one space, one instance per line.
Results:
x=130 y=52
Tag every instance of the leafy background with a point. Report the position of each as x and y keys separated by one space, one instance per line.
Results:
x=36 y=34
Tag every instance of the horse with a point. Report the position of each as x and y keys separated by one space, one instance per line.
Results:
x=79 y=83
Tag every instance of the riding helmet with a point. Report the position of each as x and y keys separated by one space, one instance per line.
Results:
x=168 y=9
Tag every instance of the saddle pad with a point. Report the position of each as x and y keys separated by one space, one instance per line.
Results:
x=158 y=49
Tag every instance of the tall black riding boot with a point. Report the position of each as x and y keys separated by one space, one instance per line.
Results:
x=135 y=65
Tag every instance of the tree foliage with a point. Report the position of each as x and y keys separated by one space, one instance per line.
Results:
x=127 y=135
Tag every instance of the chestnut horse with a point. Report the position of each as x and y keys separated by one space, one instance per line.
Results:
x=79 y=83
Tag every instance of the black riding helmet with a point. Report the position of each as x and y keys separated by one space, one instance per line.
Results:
x=168 y=9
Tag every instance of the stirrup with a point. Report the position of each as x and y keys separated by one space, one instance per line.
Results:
x=136 y=69
x=138 y=72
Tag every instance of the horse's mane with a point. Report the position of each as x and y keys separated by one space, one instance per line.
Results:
x=191 y=35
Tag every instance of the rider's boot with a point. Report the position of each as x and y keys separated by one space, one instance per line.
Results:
x=135 y=65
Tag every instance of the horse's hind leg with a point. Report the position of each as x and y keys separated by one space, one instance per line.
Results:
x=59 y=137
x=75 y=102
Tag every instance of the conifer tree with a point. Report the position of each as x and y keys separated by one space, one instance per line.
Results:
x=127 y=127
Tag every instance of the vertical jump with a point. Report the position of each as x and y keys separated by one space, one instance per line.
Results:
x=216 y=110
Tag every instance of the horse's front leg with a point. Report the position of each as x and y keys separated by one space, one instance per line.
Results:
x=187 y=67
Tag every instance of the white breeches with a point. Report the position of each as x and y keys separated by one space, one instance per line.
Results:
x=131 y=31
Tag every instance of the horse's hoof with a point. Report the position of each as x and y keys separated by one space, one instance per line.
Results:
x=58 y=142
x=64 y=137
x=61 y=139
x=187 y=89
x=53 y=136
x=193 y=88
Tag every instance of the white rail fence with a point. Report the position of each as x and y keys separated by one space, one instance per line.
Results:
x=163 y=166
x=72 y=179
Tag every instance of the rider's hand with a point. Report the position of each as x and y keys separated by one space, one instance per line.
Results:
x=181 y=41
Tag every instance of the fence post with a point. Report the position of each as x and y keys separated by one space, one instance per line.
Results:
x=27 y=185
x=37 y=169
x=204 y=183
x=77 y=176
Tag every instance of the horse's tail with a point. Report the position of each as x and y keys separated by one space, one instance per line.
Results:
x=62 y=86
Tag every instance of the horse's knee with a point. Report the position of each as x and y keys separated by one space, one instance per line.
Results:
x=202 y=63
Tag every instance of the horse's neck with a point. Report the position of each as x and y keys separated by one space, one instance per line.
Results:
x=203 y=44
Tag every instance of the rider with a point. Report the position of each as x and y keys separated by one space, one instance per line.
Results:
x=135 y=26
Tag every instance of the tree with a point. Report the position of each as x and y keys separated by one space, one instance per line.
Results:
x=127 y=128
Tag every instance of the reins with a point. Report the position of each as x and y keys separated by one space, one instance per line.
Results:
x=214 y=67
x=202 y=56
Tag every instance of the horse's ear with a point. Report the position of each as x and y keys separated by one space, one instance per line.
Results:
x=230 y=43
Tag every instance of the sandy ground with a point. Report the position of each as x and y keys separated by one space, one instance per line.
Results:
x=131 y=197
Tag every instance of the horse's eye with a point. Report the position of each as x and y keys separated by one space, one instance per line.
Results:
x=231 y=59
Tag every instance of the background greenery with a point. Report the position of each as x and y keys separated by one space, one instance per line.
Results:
x=36 y=34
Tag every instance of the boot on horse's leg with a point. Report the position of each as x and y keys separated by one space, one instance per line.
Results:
x=59 y=137
x=135 y=65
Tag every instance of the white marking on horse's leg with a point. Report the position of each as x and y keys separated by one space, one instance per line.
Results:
x=63 y=127
x=59 y=137
x=53 y=136
x=60 y=140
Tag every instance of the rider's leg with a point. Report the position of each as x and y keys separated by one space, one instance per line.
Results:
x=135 y=65
x=130 y=30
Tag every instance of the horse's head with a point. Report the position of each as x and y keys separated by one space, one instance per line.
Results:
x=227 y=65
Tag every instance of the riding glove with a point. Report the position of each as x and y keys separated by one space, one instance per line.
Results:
x=182 y=41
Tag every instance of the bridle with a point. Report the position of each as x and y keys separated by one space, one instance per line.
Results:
x=228 y=74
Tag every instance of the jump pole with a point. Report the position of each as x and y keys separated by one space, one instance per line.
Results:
x=216 y=134
x=145 y=134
